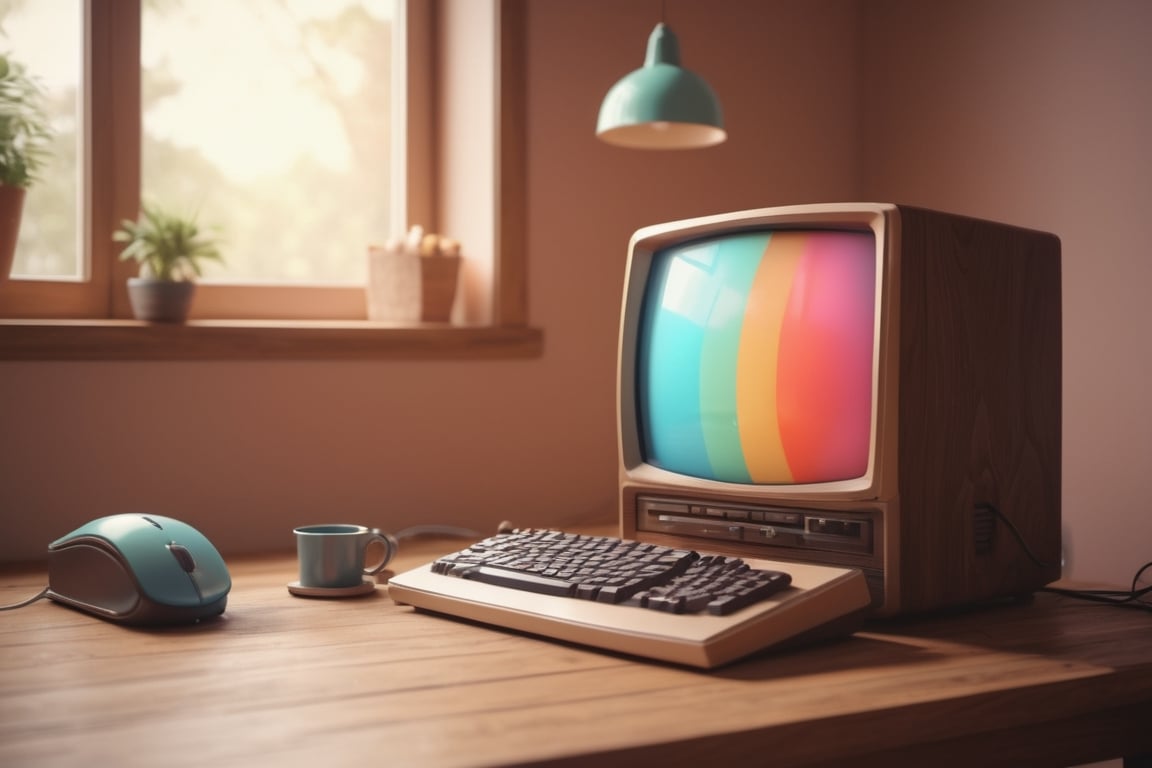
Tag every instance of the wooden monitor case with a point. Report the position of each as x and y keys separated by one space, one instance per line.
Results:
x=969 y=426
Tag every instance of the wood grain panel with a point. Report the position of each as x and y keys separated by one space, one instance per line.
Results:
x=295 y=681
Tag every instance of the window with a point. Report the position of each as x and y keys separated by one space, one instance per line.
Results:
x=271 y=120
x=42 y=36
x=118 y=148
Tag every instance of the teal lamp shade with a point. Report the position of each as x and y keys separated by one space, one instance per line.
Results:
x=661 y=105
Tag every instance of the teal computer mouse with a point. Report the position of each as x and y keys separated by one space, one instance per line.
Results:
x=139 y=569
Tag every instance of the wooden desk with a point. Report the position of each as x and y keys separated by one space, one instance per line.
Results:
x=284 y=681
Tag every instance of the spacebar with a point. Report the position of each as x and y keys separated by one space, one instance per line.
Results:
x=525 y=582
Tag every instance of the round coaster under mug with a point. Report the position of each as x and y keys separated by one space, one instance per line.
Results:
x=365 y=587
x=333 y=560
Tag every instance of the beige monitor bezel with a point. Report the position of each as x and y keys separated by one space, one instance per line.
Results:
x=879 y=481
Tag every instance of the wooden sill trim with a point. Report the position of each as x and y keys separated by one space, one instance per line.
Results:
x=262 y=340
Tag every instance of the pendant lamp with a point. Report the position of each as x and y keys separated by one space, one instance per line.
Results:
x=661 y=105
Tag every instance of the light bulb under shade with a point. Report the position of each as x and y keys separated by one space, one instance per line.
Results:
x=661 y=105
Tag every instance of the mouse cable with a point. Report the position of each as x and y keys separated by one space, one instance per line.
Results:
x=42 y=594
x=413 y=531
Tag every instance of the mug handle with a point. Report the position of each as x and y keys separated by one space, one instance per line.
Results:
x=390 y=547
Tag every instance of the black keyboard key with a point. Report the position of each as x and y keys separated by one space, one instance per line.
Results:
x=752 y=591
x=528 y=582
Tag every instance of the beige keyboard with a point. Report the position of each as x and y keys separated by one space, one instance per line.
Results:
x=508 y=582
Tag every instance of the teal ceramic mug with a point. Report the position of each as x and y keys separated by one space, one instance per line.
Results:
x=335 y=556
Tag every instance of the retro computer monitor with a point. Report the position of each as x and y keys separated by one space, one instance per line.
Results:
x=869 y=385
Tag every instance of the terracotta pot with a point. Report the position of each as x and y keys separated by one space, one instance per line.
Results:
x=11 y=206
x=160 y=301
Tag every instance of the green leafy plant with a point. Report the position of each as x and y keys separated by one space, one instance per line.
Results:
x=168 y=246
x=24 y=127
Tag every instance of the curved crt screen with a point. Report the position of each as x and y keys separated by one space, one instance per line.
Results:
x=755 y=354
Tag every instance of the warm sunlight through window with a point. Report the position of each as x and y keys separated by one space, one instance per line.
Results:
x=45 y=37
x=271 y=121
x=302 y=132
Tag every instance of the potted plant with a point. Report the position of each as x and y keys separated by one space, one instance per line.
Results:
x=169 y=248
x=24 y=135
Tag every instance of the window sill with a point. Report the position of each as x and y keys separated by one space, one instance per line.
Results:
x=262 y=340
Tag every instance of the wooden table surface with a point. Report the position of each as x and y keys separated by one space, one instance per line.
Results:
x=282 y=680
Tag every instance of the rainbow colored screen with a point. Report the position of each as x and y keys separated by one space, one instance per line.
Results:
x=755 y=357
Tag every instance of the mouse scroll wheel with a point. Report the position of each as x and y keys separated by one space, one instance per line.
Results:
x=183 y=556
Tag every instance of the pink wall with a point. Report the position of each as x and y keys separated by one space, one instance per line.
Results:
x=246 y=451
x=1038 y=112
x=1034 y=111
